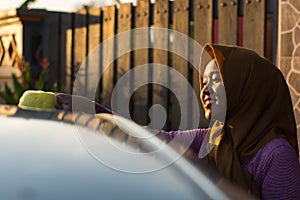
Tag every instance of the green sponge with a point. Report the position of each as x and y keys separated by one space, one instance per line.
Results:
x=37 y=100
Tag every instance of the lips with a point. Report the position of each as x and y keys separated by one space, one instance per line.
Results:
x=207 y=101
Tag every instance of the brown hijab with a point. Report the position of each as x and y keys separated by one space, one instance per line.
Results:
x=259 y=109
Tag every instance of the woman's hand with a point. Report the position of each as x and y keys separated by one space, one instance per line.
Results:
x=67 y=101
x=63 y=101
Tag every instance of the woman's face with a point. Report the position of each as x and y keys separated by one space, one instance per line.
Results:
x=213 y=94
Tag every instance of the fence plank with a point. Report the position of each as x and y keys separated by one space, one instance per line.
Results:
x=203 y=33
x=93 y=60
x=94 y=28
x=228 y=22
x=68 y=47
x=181 y=47
x=269 y=37
x=141 y=56
x=123 y=62
x=65 y=53
x=203 y=21
x=80 y=35
x=160 y=38
x=254 y=25
x=52 y=51
x=108 y=53
x=124 y=24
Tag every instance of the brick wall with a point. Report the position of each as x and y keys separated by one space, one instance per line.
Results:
x=289 y=50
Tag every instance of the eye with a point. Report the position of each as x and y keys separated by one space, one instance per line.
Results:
x=216 y=78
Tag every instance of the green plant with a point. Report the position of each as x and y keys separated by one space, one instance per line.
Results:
x=26 y=3
x=25 y=82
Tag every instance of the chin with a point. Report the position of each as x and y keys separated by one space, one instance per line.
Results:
x=207 y=115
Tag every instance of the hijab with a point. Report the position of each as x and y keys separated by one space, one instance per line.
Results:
x=259 y=109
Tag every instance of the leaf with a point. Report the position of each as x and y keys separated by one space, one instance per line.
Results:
x=26 y=3
x=8 y=95
x=39 y=85
x=18 y=87
x=55 y=87
x=27 y=78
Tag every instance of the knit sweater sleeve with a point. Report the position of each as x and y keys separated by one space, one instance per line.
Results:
x=276 y=169
x=196 y=134
x=101 y=109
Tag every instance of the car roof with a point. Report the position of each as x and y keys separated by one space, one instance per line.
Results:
x=62 y=155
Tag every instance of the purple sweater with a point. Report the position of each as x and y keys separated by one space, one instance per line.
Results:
x=275 y=167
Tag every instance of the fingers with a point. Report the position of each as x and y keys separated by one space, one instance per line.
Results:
x=63 y=101
x=63 y=98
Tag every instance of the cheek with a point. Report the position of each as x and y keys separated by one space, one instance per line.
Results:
x=220 y=92
x=201 y=95
x=222 y=97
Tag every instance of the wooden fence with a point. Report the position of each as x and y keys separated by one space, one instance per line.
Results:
x=73 y=35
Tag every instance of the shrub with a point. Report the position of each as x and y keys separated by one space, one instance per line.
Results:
x=25 y=82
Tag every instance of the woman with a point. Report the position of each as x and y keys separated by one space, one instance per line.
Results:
x=253 y=138
x=258 y=149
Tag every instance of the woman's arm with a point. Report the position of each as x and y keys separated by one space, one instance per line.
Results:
x=196 y=134
x=277 y=171
x=282 y=177
x=64 y=101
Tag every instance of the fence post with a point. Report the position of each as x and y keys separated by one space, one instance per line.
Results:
x=108 y=53
x=180 y=45
x=80 y=50
x=254 y=26
x=203 y=33
x=93 y=62
x=124 y=42
x=141 y=57
x=228 y=22
x=160 y=57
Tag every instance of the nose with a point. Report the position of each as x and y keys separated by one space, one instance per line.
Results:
x=205 y=89
x=204 y=92
x=207 y=86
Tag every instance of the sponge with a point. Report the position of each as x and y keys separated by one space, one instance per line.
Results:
x=37 y=100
